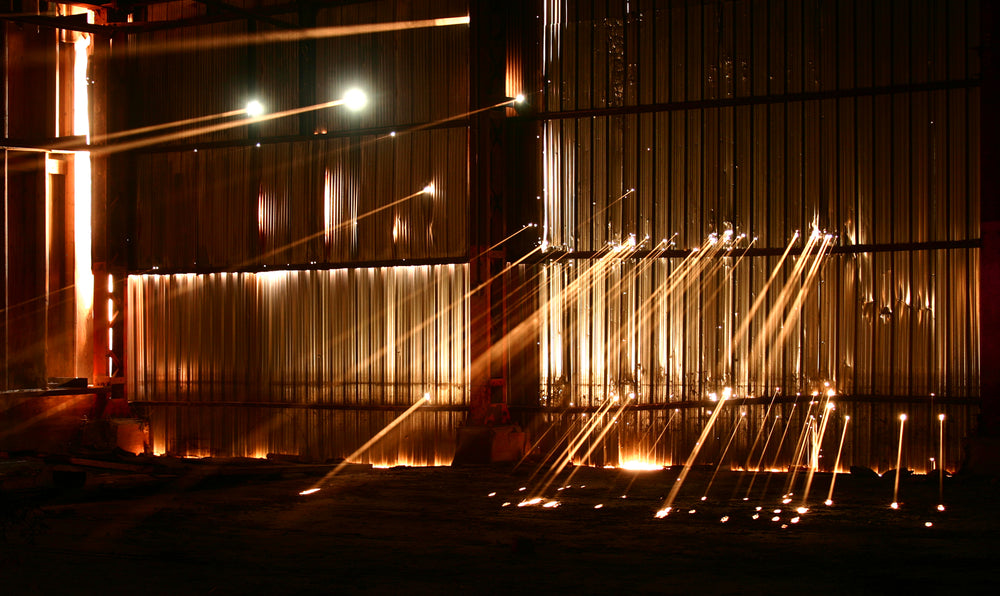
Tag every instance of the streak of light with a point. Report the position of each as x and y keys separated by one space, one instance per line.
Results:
x=763 y=451
x=899 y=461
x=309 y=491
x=940 y=462
x=816 y=446
x=103 y=150
x=836 y=464
x=294 y=35
x=736 y=428
x=379 y=435
x=668 y=504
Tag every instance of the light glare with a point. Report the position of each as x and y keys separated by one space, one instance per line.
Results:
x=355 y=99
x=255 y=108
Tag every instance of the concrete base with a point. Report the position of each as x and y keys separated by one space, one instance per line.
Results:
x=490 y=444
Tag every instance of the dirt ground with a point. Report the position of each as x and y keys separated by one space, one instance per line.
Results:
x=243 y=528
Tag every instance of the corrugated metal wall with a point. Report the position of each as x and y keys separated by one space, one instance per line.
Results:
x=262 y=340
x=301 y=361
x=677 y=120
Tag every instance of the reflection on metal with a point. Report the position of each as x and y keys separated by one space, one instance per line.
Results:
x=681 y=120
x=309 y=356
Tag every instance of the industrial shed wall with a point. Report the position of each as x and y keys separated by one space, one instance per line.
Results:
x=680 y=120
x=292 y=287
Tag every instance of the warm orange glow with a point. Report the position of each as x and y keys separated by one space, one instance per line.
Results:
x=309 y=491
x=640 y=466
x=83 y=276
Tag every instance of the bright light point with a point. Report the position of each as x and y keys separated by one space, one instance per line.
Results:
x=703 y=498
x=724 y=519
x=802 y=510
x=795 y=520
x=427 y=397
x=551 y=504
x=530 y=502
x=429 y=189
x=758 y=508
x=830 y=393
x=775 y=518
x=522 y=488
x=506 y=504
x=355 y=99
x=902 y=417
x=254 y=108
x=941 y=417
x=786 y=501
x=599 y=505
x=392 y=134
x=894 y=505
x=847 y=417
x=828 y=502
x=928 y=524
x=940 y=507
x=756 y=516
x=519 y=98
x=663 y=512
x=493 y=494
x=777 y=511
x=692 y=511
x=309 y=491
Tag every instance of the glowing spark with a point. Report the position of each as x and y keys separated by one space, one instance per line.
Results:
x=355 y=99
x=777 y=511
x=940 y=507
x=599 y=505
x=786 y=501
x=756 y=516
x=692 y=510
x=429 y=189
x=663 y=512
x=519 y=98
x=254 y=108
x=802 y=510
x=894 y=505
x=522 y=488
x=775 y=518
x=703 y=498
x=505 y=504
x=551 y=504
x=795 y=520
x=724 y=519
x=493 y=494
x=309 y=491
x=928 y=524
x=828 y=502
x=530 y=502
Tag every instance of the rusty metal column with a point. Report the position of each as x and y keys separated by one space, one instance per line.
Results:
x=487 y=40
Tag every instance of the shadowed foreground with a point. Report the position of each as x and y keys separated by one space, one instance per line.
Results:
x=239 y=527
